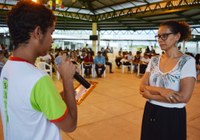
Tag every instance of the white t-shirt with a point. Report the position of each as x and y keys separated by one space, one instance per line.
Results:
x=145 y=60
x=129 y=57
x=185 y=67
x=29 y=103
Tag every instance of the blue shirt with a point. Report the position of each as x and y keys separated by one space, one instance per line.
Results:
x=58 y=60
x=99 y=60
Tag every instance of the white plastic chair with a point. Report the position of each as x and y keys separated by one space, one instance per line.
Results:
x=94 y=71
x=127 y=66
x=83 y=70
x=57 y=75
x=45 y=67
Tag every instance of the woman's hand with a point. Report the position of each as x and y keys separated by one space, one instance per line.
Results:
x=145 y=93
x=142 y=88
x=165 y=95
x=173 y=97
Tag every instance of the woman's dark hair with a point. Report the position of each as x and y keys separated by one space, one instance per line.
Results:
x=24 y=17
x=197 y=58
x=179 y=27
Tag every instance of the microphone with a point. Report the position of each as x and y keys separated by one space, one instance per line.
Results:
x=81 y=80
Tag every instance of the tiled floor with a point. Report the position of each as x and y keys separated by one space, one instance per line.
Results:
x=113 y=111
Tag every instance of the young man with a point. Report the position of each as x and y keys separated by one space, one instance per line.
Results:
x=31 y=107
x=99 y=62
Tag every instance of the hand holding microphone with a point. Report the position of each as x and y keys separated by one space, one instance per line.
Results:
x=78 y=77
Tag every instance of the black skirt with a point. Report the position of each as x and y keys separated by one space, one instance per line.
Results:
x=161 y=123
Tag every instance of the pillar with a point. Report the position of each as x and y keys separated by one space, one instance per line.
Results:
x=94 y=32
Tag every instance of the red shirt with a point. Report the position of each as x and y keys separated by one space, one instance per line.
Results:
x=87 y=59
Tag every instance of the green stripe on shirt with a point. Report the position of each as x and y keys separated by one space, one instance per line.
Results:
x=45 y=98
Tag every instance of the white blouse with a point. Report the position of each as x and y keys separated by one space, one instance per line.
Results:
x=185 y=67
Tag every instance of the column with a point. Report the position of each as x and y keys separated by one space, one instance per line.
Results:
x=94 y=32
x=98 y=44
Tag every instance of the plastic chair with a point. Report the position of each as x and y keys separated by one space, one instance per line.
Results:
x=45 y=67
x=94 y=72
x=127 y=66
x=57 y=75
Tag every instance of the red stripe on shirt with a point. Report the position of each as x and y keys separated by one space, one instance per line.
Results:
x=13 y=58
x=61 y=118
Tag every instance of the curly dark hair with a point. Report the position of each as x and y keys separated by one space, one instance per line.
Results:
x=197 y=58
x=24 y=17
x=179 y=27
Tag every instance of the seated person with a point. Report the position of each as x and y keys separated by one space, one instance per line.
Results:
x=47 y=58
x=74 y=60
x=99 y=62
x=136 y=60
x=87 y=64
x=143 y=63
x=127 y=59
x=82 y=56
x=118 y=59
x=105 y=54
x=58 y=58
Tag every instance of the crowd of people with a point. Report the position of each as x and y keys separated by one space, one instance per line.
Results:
x=82 y=58
x=140 y=59
x=86 y=57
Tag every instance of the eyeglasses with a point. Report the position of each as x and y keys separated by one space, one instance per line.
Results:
x=163 y=36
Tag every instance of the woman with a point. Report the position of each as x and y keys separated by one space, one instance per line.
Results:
x=168 y=85
x=136 y=60
x=87 y=64
x=143 y=63
x=74 y=60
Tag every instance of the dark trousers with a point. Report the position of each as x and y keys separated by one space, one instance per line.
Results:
x=99 y=72
x=127 y=64
x=143 y=68
x=110 y=65
x=88 y=69
x=118 y=62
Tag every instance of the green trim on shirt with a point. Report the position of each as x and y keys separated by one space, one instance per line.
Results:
x=45 y=98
